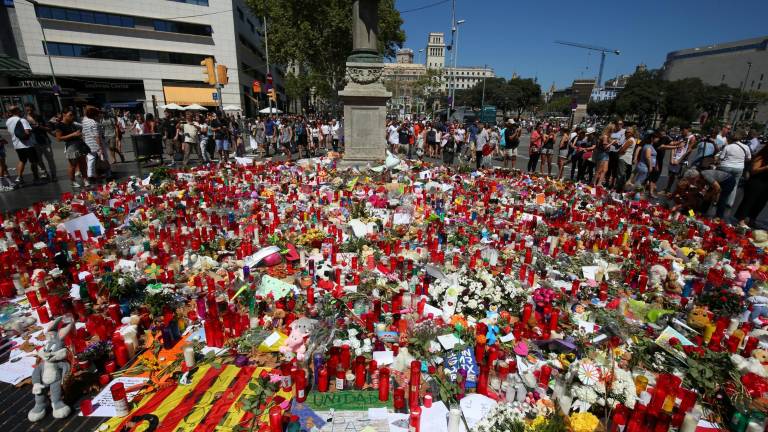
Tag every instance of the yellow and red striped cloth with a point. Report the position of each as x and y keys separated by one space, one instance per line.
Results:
x=209 y=403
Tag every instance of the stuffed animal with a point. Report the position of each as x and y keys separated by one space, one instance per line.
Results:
x=758 y=305
x=49 y=374
x=757 y=363
x=658 y=275
x=742 y=278
x=294 y=345
x=698 y=318
x=491 y=318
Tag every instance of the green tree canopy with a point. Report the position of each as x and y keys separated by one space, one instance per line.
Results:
x=514 y=94
x=317 y=34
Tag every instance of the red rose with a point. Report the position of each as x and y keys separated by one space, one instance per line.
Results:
x=673 y=341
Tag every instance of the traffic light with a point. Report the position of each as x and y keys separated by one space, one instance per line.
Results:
x=272 y=95
x=256 y=87
x=221 y=74
x=209 y=70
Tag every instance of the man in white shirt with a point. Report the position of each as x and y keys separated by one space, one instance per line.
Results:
x=325 y=129
x=754 y=142
x=335 y=134
x=733 y=159
x=722 y=138
x=20 y=131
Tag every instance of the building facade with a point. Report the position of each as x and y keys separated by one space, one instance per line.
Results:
x=465 y=76
x=739 y=64
x=138 y=54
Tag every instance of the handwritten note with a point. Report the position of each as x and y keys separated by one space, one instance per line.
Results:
x=104 y=405
x=274 y=286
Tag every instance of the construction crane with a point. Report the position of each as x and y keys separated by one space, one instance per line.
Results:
x=601 y=50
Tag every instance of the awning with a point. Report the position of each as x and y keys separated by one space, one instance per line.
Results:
x=189 y=95
x=14 y=67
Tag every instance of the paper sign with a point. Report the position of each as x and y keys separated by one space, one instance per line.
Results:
x=271 y=339
x=434 y=418
x=104 y=405
x=448 y=341
x=348 y=400
x=590 y=272
x=383 y=358
x=377 y=413
x=398 y=422
x=540 y=199
x=83 y=224
x=244 y=161
x=462 y=360
x=429 y=309
x=401 y=219
x=475 y=407
x=274 y=286
x=307 y=416
x=17 y=370
x=507 y=337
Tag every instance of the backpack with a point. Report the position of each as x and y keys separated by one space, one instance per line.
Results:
x=431 y=136
x=20 y=132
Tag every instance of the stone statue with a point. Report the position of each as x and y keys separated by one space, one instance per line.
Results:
x=50 y=372
x=365 y=25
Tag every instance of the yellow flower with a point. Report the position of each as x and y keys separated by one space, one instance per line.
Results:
x=584 y=422
x=153 y=270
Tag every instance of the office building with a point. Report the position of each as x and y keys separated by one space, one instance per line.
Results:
x=138 y=54
x=739 y=64
x=465 y=76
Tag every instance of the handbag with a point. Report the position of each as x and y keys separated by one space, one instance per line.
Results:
x=586 y=155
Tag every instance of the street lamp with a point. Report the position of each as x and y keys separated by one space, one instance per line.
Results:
x=455 y=61
x=56 y=89
x=482 y=101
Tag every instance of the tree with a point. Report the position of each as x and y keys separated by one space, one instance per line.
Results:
x=560 y=105
x=317 y=34
x=525 y=94
x=641 y=96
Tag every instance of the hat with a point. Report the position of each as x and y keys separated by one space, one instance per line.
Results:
x=590 y=130
x=510 y=121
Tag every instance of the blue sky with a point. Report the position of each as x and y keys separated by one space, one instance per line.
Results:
x=518 y=36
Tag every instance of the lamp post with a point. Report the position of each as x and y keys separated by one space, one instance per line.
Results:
x=482 y=101
x=455 y=61
x=56 y=89
x=741 y=94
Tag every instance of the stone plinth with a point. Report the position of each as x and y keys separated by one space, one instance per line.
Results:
x=365 y=114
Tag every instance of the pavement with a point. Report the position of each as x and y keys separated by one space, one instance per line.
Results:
x=25 y=197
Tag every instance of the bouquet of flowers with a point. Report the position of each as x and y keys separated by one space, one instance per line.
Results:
x=477 y=291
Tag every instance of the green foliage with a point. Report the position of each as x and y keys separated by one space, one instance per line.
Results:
x=514 y=94
x=316 y=34
x=156 y=302
x=118 y=285
x=721 y=301
x=560 y=106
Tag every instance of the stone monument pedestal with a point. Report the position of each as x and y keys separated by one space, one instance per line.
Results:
x=365 y=114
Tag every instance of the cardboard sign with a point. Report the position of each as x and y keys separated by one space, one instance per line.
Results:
x=347 y=400
x=462 y=360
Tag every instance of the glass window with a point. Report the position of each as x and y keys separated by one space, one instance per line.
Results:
x=101 y=18
x=43 y=12
x=73 y=15
x=127 y=21
x=66 y=50
x=114 y=20
x=86 y=16
x=59 y=14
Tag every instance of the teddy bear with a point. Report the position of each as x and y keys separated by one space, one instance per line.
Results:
x=698 y=318
x=757 y=363
x=758 y=305
x=657 y=276
x=295 y=343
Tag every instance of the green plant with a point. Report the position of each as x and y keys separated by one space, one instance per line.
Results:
x=259 y=401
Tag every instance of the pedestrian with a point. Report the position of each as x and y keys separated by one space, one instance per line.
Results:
x=576 y=153
x=335 y=129
x=704 y=152
x=563 y=151
x=733 y=158
x=169 y=130
x=21 y=133
x=755 y=189
x=109 y=128
x=137 y=127
x=600 y=155
x=189 y=131
x=235 y=134
x=722 y=138
x=150 y=125
x=269 y=134
x=626 y=155
x=494 y=139
x=448 y=144
x=327 y=139
x=482 y=146
x=41 y=142
x=512 y=141
x=460 y=137
x=286 y=137
x=92 y=138
x=432 y=139
x=71 y=134
x=302 y=137
x=314 y=132
x=547 y=149
x=681 y=148
x=618 y=137
x=221 y=136
x=645 y=162
x=5 y=181
x=203 y=137
x=534 y=149
x=404 y=134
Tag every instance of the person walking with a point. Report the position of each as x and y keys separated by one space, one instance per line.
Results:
x=600 y=155
x=563 y=151
x=733 y=158
x=681 y=148
x=71 y=134
x=534 y=149
x=755 y=189
x=109 y=130
x=626 y=155
x=578 y=134
x=21 y=134
x=221 y=137
x=618 y=137
x=546 y=150
x=512 y=140
x=393 y=136
x=286 y=137
x=41 y=142
x=335 y=129
x=190 y=132
x=203 y=138
x=150 y=125
x=302 y=138
x=482 y=146
x=92 y=139
x=645 y=162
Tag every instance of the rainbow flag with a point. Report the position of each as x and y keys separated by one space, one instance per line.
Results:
x=210 y=402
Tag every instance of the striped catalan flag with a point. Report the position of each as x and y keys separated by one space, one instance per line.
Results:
x=210 y=402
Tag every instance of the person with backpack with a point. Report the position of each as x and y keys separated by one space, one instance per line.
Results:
x=21 y=132
x=704 y=152
x=733 y=159
x=432 y=139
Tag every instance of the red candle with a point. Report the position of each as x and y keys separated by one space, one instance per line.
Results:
x=359 y=373
x=527 y=310
x=528 y=256
x=733 y=343
x=346 y=357
x=384 y=384
x=32 y=297
x=301 y=385
x=750 y=345
x=575 y=288
x=114 y=313
x=86 y=407
x=121 y=355
x=322 y=380
x=110 y=367
x=414 y=425
x=482 y=380
x=120 y=399
x=415 y=382
x=544 y=374
x=479 y=352
x=276 y=419
x=399 y=402
x=42 y=314
x=642 y=283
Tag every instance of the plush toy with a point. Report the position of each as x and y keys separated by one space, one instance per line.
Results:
x=758 y=305
x=49 y=374
x=491 y=318
x=742 y=278
x=757 y=363
x=658 y=275
x=698 y=318
x=294 y=344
